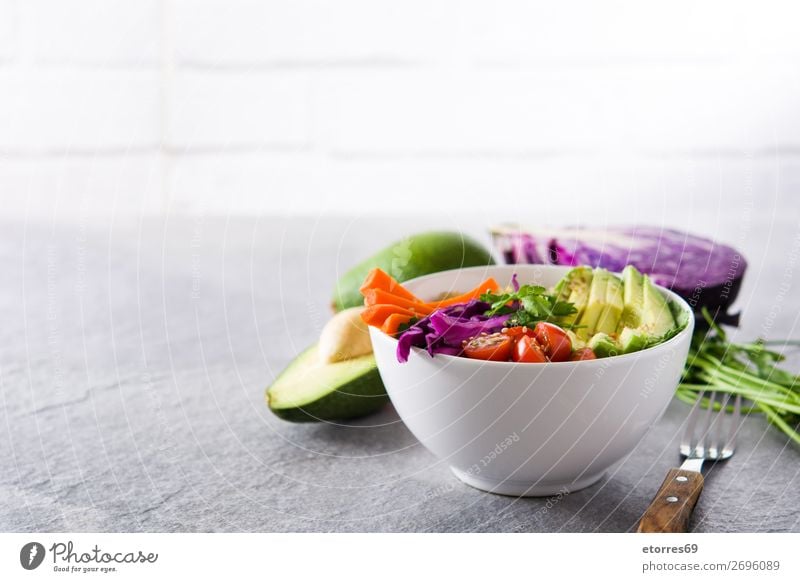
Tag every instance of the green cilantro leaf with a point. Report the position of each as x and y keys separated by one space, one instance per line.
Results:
x=531 y=304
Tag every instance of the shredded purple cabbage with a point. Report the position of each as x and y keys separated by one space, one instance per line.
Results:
x=443 y=331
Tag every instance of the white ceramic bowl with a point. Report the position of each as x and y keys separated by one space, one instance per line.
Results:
x=528 y=429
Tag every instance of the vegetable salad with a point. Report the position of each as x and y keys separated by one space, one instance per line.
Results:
x=589 y=314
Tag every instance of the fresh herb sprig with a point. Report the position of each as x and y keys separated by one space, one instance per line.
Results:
x=528 y=305
x=749 y=370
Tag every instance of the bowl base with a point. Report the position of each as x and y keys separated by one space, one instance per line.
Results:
x=525 y=488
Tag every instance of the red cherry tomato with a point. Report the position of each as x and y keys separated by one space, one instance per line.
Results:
x=495 y=347
x=554 y=341
x=582 y=354
x=518 y=331
x=527 y=350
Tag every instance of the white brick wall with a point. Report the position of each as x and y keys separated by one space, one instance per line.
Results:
x=81 y=188
x=675 y=108
x=92 y=32
x=246 y=32
x=67 y=110
x=612 y=111
x=558 y=189
x=234 y=109
x=8 y=20
x=580 y=31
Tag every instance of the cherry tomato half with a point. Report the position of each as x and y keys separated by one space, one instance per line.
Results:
x=582 y=354
x=517 y=331
x=554 y=341
x=527 y=350
x=495 y=347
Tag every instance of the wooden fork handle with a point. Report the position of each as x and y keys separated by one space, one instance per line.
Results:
x=672 y=506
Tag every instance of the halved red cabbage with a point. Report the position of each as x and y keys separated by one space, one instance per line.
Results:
x=705 y=273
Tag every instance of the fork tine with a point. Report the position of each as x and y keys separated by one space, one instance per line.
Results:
x=736 y=422
x=702 y=443
x=719 y=432
x=687 y=442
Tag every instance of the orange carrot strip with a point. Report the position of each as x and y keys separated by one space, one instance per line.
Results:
x=375 y=315
x=393 y=323
x=488 y=285
x=380 y=279
x=379 y=297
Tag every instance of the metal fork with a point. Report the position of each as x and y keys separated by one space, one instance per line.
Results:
x=672 y=506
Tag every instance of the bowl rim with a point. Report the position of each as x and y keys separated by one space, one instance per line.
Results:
x=599 y=361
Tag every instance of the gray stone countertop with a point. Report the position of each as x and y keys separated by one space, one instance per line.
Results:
x=132 y=373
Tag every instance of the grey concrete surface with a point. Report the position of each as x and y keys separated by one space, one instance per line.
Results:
x=133 y=363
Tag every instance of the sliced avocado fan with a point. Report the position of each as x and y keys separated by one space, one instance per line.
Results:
x=615 y=316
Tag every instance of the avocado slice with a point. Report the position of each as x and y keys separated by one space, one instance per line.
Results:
x=414 y=256
x=577 y=343
x=612 y=312
x=633 y=284
x=654 y=317
x=574 y=288
x=577 y=282
x=631 y=340
x=310 y=390
x=595 y=305
x=604 y=346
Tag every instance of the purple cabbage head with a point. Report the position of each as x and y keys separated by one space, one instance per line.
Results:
x=704 y=272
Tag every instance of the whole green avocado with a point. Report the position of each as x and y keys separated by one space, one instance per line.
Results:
x=414 y=256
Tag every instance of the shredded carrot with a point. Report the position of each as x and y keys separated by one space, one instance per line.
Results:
x=380 y=279
x=375 y=315
x=390 y=305
x=393 y=323
x=381 y=297
x=488 y=285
